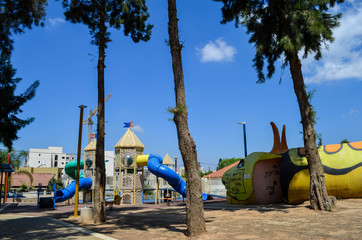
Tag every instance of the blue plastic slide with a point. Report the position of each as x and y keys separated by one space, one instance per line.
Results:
x=157 y=168
x=68 y=192
x=84 y=183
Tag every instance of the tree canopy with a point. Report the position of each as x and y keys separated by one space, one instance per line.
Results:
x=226 y=162
x=15 y=158
x=280 y=29
x=15 y=16
x=10 y=103
x=99 y=16
x=131 y=14
x=205 y=173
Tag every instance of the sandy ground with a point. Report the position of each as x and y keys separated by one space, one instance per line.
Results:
x=223 y=221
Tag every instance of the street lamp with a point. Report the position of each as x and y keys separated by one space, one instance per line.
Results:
x=243 y=123
x=78 y=161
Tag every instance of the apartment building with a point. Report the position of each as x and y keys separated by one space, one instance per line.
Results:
x=53 y=157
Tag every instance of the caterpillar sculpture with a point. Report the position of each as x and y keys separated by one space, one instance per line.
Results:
x=283 y=175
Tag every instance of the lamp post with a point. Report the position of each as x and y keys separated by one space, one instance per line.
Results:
x=244 y=131
x=78 y=161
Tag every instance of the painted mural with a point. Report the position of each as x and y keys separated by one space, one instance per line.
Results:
x=283 y=175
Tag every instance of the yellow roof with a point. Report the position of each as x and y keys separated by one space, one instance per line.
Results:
x=91 y=146
x=129 y=139
x=167 y=160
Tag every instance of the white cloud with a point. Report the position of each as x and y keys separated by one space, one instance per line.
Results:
x=56 y=21
x=343 y=60
x=138 y=128
x=217 y=51
x=354 y=112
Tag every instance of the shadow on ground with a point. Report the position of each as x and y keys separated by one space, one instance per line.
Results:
x=145 y=218
x=171 y=219
x=37 y=228
x=262 y=208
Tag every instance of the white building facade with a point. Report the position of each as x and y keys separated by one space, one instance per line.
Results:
x=51 y=157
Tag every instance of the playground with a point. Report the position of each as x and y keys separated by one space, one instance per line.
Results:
x=223 y=221
x=243 y=214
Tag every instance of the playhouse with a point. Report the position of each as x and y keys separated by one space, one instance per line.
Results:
x=128 y=180
x=128 y=177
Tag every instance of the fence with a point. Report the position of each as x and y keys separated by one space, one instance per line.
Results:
x=213 y=186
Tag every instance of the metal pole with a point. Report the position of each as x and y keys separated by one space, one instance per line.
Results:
x=78 y=161
x=246 y=154
x=244 y=130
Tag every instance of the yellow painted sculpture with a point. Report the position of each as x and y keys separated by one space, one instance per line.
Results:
x=283 y=175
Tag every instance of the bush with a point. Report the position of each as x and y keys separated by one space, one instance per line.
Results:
x=59 y=184
x=25 y=188
x=205 y=173
x=226 y=162
x=148 y=192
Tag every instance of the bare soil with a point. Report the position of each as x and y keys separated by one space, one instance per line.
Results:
x=224 y=221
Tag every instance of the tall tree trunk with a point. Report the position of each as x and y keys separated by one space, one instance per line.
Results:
x=318 y=195
x=194 y=210
x=99 y=205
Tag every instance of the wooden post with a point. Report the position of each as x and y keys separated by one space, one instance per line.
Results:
x=156 y=195
x=175 y=172
x=1 y=185
x=78 y=161
x=6 y=182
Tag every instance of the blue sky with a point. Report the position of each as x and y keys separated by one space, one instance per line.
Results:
x=220 y=84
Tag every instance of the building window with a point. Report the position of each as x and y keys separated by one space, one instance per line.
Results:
x=39 y=154
x=38 y=161
x=67 y=157
x=56 y=164
x=56 y=157
x=63 y=157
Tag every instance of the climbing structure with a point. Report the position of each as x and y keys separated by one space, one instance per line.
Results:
x=90 y=156
x=128 y=177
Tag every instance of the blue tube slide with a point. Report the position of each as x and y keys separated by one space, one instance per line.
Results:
x=157 y=168
x=68 y=192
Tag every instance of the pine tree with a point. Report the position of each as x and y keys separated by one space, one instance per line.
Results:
x=280 y=29
x=194 y=211
x=15 y=16
x=99 y=16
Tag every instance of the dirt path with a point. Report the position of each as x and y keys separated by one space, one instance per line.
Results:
x=225 y=221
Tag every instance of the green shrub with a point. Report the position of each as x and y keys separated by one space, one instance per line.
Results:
x=59 y=184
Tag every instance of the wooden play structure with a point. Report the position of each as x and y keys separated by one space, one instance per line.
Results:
x=128 y=177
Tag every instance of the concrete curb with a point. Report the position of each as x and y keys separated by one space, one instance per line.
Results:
x=7 y=205
x=64 y=224
x=98 y=235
